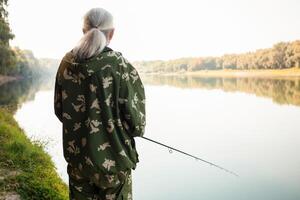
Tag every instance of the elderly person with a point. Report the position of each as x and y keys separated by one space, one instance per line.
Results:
x=100 y=100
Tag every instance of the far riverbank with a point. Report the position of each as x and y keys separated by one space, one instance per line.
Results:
x=264 y=73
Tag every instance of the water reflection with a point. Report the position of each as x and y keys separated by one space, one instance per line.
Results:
x=14 y=93
x=256 y=138
x=252 y=136
x=282 y=91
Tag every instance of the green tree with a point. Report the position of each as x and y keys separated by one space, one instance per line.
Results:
x=7 y=57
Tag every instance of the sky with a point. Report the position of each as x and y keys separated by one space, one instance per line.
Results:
x=157 y=29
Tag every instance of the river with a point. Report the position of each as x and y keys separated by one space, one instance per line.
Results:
x=248 y=125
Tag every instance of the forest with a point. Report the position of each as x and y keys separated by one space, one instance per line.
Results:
x=281 y=56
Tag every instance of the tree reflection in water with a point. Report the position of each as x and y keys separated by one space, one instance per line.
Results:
x=282 y=91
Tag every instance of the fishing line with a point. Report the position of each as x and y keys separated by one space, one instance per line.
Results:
x=172 y=148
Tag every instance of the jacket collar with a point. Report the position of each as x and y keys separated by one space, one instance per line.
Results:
x=73 y=64
x=106 y=48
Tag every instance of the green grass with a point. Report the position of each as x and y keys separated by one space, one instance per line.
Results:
x=37 y=178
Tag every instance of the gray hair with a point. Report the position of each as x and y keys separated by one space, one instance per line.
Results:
x=97 y=22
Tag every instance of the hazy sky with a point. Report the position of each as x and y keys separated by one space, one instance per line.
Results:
x=158 y=29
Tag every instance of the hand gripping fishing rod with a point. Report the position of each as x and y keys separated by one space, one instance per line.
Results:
x=210 y=163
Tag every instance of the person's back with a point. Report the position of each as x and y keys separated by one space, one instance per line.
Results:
x=100 y=100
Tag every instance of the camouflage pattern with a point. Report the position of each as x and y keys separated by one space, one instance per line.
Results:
x=101 y=104
x=99 y=186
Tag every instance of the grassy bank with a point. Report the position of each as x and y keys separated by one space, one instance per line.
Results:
x=291 y=72
x=25 y=168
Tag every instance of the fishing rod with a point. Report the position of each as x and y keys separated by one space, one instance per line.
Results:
x=172 y=148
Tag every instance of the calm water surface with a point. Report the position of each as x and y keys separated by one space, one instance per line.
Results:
x=250 y=126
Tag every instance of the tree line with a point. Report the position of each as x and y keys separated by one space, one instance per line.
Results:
x=281 y=56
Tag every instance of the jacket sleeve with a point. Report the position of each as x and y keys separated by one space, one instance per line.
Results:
x=132 y=101
x=58 y=98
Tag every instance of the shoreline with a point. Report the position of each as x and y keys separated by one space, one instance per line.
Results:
x=227 y=73
x=26 y=170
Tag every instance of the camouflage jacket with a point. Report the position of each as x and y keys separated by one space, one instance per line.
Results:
x=101 y=104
